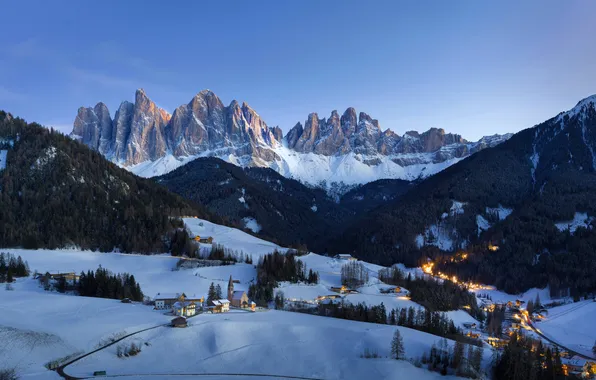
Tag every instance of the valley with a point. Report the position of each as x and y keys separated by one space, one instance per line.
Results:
x=242 y=343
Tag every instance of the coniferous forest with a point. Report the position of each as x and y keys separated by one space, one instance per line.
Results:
x=56 y=192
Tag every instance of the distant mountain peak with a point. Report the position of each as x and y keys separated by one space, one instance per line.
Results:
x=150 y=141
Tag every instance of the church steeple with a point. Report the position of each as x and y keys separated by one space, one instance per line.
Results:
x=230 y=289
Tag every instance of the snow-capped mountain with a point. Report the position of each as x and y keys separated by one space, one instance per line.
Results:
x=346 y=150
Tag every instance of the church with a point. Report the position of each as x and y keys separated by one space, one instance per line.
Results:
x=237 y=298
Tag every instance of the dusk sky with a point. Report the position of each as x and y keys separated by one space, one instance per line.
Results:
x=471 y=67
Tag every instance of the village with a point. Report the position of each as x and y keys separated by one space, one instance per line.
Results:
x=183 y=306
x=515 y=316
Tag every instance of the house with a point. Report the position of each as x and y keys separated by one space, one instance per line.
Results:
x=474 y=335
x=220 y=306
x=239 y=299
x=469 y=325
x=205 y=240
x=253 y=306
x=574 y=365
x=165 y=301
x=70 y=277
x=342 y=256
x=178 y=322
x=341 y=290
x=184 y=308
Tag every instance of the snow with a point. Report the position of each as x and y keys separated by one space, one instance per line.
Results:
x=40 y=326
x=251 y=224
x=457 y=207
x=3 y=154
x=313 y=169
x=482 y=224
x=580 y=219
x=572 y=325
x=272 y=342
x=314 y=208
x=501 y=212
x=438 y=236
x=351 y=169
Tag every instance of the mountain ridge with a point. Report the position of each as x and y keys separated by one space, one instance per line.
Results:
x=149 y=141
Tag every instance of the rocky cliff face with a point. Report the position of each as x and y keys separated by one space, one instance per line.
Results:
x=150 y=141
x=142 y=132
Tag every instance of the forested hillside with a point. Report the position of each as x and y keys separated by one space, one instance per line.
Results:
x=279 y=209
x=523 y=211
x=56 y=192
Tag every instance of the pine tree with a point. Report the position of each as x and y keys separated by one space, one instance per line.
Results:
x=211 y=295
x=477 y=359
x=458 y=355
x=397 y=346
x=537 y=304
x=218 y=294
x=392 y=319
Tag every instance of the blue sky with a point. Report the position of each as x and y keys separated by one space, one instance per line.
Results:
x=470 y=67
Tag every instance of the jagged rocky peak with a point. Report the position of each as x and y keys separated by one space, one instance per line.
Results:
x=346 y=144
x=93 y=126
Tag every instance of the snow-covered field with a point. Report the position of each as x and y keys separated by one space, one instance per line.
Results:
x=274 y=342
x=573 y=325
x=39 y=326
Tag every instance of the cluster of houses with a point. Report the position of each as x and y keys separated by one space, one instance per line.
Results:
x=185 y=306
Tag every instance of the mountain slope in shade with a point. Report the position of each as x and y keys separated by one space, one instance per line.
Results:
x=533 y=196
x=57 y=193
x=331 y=153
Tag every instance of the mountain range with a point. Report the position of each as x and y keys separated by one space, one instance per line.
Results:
x=523 y=211
x=334 y=153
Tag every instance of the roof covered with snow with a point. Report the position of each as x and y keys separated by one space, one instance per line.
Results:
x=168 y=296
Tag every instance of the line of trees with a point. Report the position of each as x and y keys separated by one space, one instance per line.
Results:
x=526 y=358
x=11 y=267
x=433 y=294
x=104 y=284
x=354 y=274
x=275 y=267
x=458 y=361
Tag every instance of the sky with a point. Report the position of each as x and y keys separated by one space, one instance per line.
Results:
x=470 y=67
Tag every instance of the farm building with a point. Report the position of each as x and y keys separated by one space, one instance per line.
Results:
x=178 y=322
x=184 y=308
x=164 y=301
x=204 y=240
x=220 y=306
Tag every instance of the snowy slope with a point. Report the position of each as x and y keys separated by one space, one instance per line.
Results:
x=271 y=342
x=314 y=169
x=231 y=238
x=61 y=325
x=572 y=325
